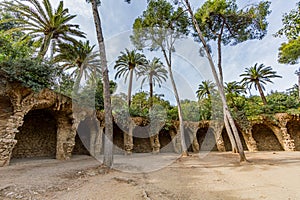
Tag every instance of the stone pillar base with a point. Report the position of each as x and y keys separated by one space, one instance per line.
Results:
x=6 y=147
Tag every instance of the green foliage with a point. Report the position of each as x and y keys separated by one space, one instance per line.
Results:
x=289 y=53
x=205 y=89
x=91 y=95
x=221 y=19
x=31 y=73
x=278 y=102
x=159 y=23
x=11 y=48
x=40 y=21
x=79 y=57
x=127 y=61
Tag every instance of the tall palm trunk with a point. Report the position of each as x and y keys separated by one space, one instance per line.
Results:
x=108 y=144
x=180 y=115
x=77 y=81
x=261 y=92
x=219 y=85
x=129 y=88
x=298 y=74
x=151 y=89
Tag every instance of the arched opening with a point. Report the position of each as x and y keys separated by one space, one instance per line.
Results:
x=188 y=141
x=165 y=140
x=118 y=140
x=293 y=128
x=141 y=140
x=37 y=137
x=83 y=136
x=227 y=143
x=206 y=139
x=79 y=148
x=265 y=138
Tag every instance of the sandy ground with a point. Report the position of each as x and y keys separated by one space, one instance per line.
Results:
x=270 y=175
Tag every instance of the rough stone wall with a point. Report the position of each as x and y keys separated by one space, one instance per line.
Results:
x=227 y=141
x=37 y=136
x=79 y=148
x=165 y=142
x=22 y=101
x=206 y=139
x=265 y=138
x=293 y=128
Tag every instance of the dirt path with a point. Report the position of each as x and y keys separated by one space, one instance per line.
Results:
x=215 y=176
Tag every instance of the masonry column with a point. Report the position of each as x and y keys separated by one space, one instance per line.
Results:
x=65 y=137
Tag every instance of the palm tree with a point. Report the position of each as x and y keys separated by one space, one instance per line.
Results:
x=232 y=90
x=155 y=73
x=205 y=89
x=259 y=76
x=42 y=22
x=127 y=63
x=80 y=58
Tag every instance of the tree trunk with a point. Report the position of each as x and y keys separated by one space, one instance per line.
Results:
x=219 y=85
x=261 y=92
x=298 y=85
x=77 y=82
x=151 y=90
x=108 y=139
x=180 y=115
x=227 y=126
x=53 y=45
x=229 y=133
x=129 y=88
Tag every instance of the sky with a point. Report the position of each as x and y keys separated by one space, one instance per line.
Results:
x=189 y=68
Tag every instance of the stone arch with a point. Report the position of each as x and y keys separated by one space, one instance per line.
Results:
x=37 y=137
x=79 y=148
x=90 y=133
x=293 y=128
x=141 y=140
x=165 y=140
x=265 y=138
x=206 y=139
x=227 y=143
x=118 y=139
x=188 y=135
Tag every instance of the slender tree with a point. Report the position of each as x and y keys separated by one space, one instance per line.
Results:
x=40 y=21
x=235 y=137
x=159 y=27
x=221 y=21
x=259 y=75
x=128 y=63
x=108 y=144
x=153 y=72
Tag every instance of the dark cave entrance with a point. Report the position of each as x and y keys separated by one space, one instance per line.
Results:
x=265 y=138
x=37 y=137
x=206 y=139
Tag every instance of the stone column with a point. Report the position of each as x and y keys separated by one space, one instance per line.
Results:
x=128 y=138
x=176 y=140
x=249 y=140
x=7 y=135
x=288 y=143
x=193 y=138
x=65 y=137
x=96 y=132
x=217 y=127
